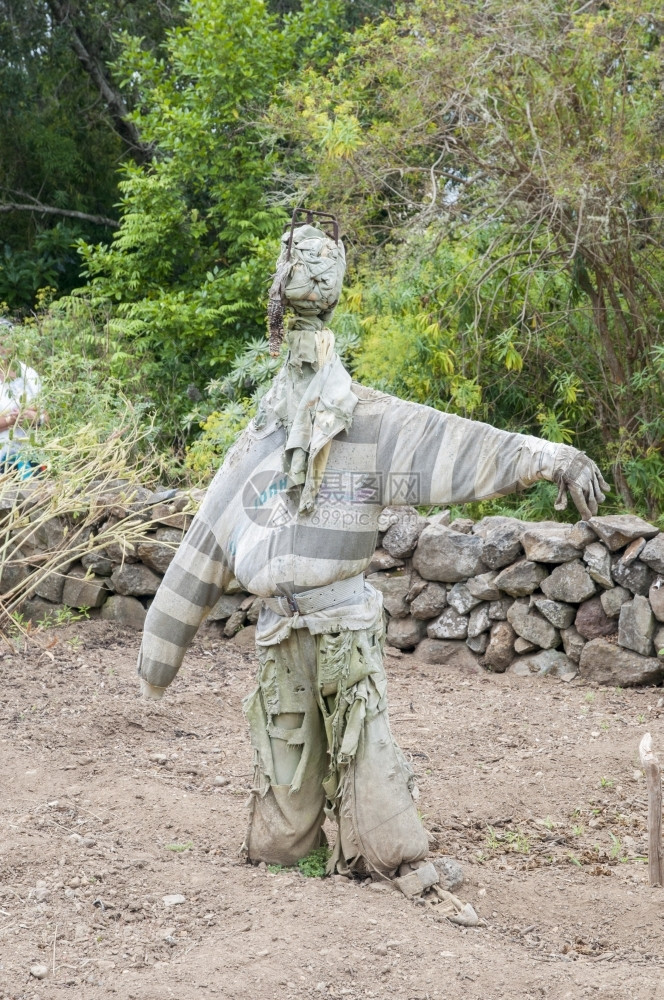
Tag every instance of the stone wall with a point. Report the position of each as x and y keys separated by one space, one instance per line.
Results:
x=525 y=597
x=502 y=593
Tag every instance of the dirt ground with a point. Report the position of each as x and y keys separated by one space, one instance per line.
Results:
x=108 y=805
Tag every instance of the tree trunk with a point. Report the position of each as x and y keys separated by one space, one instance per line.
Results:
x=98 y=72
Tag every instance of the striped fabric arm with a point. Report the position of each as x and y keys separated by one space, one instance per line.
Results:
x=426 y=456
x=191 y=587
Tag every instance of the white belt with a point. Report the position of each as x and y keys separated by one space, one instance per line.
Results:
x=309 y=601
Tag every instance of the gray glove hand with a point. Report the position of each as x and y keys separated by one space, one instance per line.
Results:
x=149 y=692
x=575 y=472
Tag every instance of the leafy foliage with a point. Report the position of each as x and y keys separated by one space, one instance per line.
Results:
x=503 y=157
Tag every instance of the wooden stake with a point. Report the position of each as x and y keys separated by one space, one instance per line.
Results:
x=651 y=767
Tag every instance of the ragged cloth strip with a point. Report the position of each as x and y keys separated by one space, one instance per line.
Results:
x=323 y=747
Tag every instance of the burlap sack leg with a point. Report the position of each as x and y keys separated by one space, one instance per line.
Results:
x=369 y=784
x=379 y=827
x=288 y=737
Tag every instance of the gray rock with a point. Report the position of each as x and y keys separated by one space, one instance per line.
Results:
x=592 y=621
x=448 y=654
x=394 y=587
x=135 y=580
x=51 y=587
x=121 y=552
x=245 y=639
x=478 y=643
x=461 y=599
x=570 y=583
x=598 y=560
x=405 y=633
x=618 y=530
x=532 y=626
x=573 y=643
x=125 y=611
x=450 y=873
x=38 y=611
x=478 y=620
x=254 y=610
x=658 y=641
x=157 y=555
x=172 y=535
x=498 y=609
x=449 y=625
x=225 y=606
x=417 y=585
x=98 y=563
x=522 y=645
x=582 y=534
x=605 y=663
x=430 y=602
x=448 y=556
x=234 y=623
x=418 y=880
x=443 y=517
x=549 y=545
x=613 y=600
x=39 y=971
x=652 y=553
x=549 y=661
x=81 y=591
x=633 y=550
x=559 y=614
x=382 y=561
x=636 y=626
x=463 y=524
x=521 y=578
x=637 y=577
x=502 y=544
x=401 y=537
x=656 y=598
x=483 y=586
x=12 y=575
x=494 y=522
x=500 y=651
x=51 y=534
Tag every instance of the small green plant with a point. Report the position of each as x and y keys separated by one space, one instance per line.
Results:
x=179 y=848
x=578 y=830
x=641 y=718
x=548 y=823
x=617 y=849
x=604 y=725
x=314 y=864
x=574 y=859
x=606 y=783
x=590 y=697
x=509 y=840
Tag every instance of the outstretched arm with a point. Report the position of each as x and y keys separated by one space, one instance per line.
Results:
x=426 y=456
x=191 y=586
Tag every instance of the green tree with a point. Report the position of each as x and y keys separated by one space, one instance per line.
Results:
x=186 y=274
x=64 y=126
x=506 y=157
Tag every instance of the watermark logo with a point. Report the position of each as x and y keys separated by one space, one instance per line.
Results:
x=266 y=501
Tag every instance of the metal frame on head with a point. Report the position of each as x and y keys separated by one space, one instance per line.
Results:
x=310 y=213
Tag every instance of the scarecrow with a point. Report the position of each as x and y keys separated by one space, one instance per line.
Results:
x=292 y=515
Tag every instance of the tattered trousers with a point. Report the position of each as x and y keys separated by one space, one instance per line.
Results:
x=323 y=747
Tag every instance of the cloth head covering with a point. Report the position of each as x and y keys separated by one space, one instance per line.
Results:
x=311 y=396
